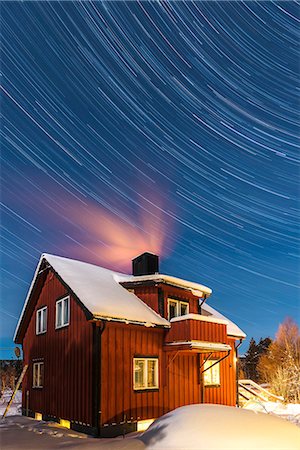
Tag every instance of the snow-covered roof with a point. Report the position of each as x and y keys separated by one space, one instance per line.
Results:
x=196 y=288
x=232 y=328
x=100 y=292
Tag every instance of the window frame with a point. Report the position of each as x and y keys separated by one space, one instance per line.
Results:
x=36 y=378
x=178 y=307
x=41 y=310
x=145 y=359
x=210 y=370
x=62 y=301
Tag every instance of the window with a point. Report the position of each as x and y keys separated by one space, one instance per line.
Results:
x=41 y=320
x=177 y=308
x=38 y=375
x=212 y=374
x=184 y=307
x=172 y=308
x=62 y=312
x=145 y=373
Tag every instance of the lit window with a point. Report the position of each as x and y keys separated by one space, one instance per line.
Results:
x=62 y=312
x=38 y=375
x=177 y=308
x=41 y=320
x=212 y=374
x=145 y=374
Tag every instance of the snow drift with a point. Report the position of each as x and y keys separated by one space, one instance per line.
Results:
x=216 y=427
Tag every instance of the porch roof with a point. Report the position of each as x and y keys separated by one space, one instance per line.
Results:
x=197 y=346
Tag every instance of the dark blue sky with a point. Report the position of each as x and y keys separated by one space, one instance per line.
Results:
x=171 y=127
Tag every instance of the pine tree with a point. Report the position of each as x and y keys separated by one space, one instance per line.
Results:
x=251 y=360
x=252 y=357
x=263 y=345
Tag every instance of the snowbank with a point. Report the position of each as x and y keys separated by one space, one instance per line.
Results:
x=216 y=427
x=290 y=411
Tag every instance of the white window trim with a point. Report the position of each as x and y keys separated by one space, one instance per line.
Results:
x=146 y=388
x=38 y=365
x=41 y=310
x=210 y=370
x=61 y=300
x=178 y=304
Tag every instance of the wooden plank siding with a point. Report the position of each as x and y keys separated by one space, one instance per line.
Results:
x=189 y=329
x=179 y=380
x=180 y=294
x=149 y=295
x=67 y=357
x=120 y=344
x=225 y=394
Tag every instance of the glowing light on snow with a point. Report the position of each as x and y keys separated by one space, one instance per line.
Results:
x=65 y=423
x=143 y=425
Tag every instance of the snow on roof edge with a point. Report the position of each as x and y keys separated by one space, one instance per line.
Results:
x=159 y=277
x=217 y=346
x=232 y=328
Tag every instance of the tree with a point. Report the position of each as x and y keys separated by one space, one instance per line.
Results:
x=252 y=357
x=250 y=361
x=263 y=345
x=10 y=370
x=280 y=365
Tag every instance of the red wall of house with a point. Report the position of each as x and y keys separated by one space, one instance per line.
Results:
x=179 y=379
x=225 y=394
x=181 y=294
x=198 y=330
x=149 y=295
x=177 y=384
x=67 y=355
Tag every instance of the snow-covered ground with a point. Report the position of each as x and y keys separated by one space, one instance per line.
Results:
x=19 y=432
x=290 y=411
x=15 y=407
x=201 y=427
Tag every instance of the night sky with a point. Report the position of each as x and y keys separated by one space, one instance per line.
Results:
x=169 y=127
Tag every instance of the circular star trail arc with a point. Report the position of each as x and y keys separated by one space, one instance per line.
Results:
x=170 y=125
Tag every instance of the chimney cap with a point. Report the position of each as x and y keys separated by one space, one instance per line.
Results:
x=144 y=253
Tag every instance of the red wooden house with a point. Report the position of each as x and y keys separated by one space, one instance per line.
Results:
x=106 y=351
